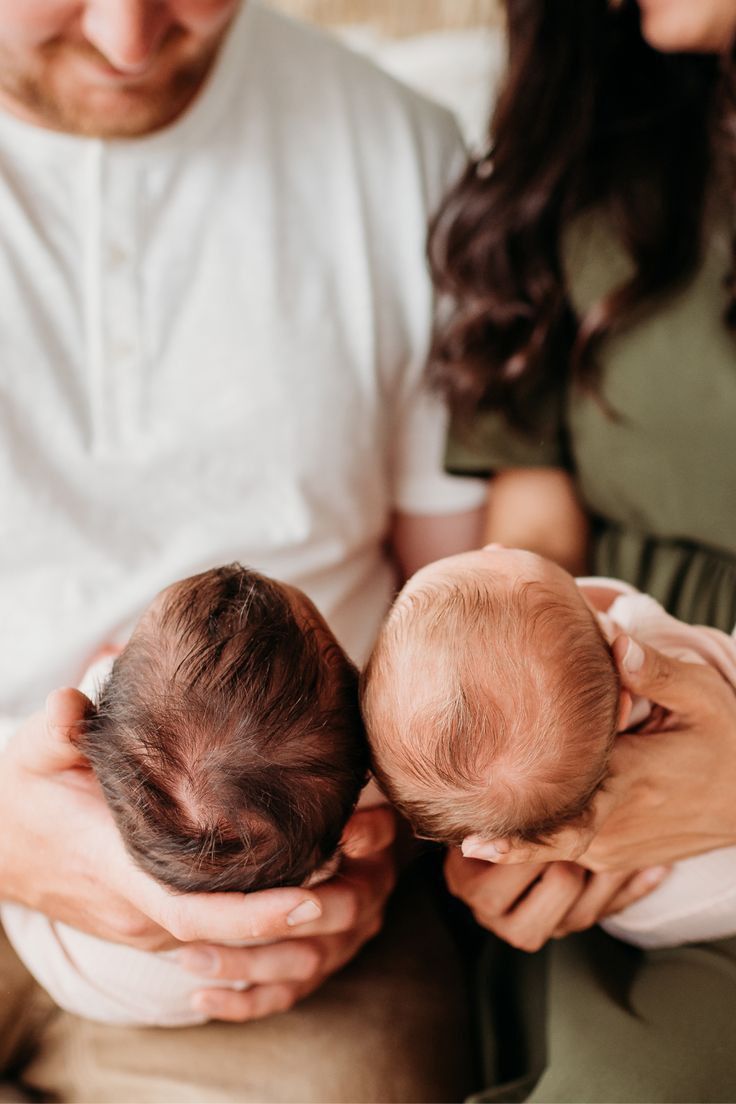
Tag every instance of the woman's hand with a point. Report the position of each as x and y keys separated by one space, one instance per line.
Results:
x=528 y=904
x=60 y=853
x=672 y=792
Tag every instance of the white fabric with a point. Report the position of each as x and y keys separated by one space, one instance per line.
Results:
x=697 y=900
x=212 y=347
x=459 y=68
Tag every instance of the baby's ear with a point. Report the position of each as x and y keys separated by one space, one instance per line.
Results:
x=66 y=712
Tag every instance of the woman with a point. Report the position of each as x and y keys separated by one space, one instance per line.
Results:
x=591 y=364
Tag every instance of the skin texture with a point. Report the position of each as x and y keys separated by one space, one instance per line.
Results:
x=539 y=509
x=109 y=68
x=708 y=26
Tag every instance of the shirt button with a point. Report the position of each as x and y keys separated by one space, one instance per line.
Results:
x=122 y=349
x=116 y=255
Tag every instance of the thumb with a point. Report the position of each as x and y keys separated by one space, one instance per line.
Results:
x=664 y=680
x=57 y=735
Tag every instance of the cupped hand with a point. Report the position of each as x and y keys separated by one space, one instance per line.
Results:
x=526 y=905
x=60 y=853
x=671 y=792
x=352 y=906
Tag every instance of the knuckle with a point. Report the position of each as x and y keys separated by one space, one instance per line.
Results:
x=374 y=927
x=525 y=940
x=180 y=927
x=566 y=876
x=490 y=923
x=285 y=1001
x=350 y=911
x=531 y=943
x=311 y=963
x=133 y=927
x=581 y=921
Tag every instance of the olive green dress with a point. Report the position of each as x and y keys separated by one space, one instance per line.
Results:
x=591 y=1019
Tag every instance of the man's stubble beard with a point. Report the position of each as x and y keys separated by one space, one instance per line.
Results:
x=48 y=97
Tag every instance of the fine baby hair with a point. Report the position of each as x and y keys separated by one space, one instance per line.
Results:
x=228 y=739
x=491 y=699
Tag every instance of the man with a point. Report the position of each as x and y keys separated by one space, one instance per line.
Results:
x=214 y=318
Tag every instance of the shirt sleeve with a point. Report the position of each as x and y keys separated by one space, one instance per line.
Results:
x=487 y=443
x=420 y=483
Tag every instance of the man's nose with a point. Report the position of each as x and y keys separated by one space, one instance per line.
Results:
x=126 y=32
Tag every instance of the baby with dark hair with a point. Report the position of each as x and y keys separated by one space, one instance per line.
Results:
x=228 y=742
x=492 y=704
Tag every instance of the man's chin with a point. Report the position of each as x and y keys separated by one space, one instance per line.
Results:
x=113 y=115
x=109 y=107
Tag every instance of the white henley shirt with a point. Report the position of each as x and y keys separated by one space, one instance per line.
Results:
x=212 y=345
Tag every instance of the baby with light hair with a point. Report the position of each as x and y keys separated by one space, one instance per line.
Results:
x=492 y=703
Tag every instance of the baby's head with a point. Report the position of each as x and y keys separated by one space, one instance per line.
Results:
x=491 y=699
x=228 y=739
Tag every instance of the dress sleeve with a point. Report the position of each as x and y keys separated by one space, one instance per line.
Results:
x=488 y=444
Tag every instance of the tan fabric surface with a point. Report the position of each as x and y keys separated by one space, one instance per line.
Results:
x=397 y=17
x=391 y=1027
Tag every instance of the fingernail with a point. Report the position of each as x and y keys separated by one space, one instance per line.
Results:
x=654 y=875
x=204 y=1002
x=197 y=959
x=303 y=913
x=633 y=657
x=480 y=849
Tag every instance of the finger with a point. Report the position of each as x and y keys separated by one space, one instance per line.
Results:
x=663 y=679
x=533 y=921
x=488 y=890
x=599 y=890
x=565 y=845
x=270 y=914
x=288 y=961
x=355 y=896
x=369 y=831
x=640 y=885
x=253 y=1004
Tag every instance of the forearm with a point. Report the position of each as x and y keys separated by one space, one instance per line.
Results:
x=417 y=540
x=538 y=509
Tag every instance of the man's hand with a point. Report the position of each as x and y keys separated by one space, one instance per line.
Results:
x=528 y=904
x=61 y=853
x=282 y=973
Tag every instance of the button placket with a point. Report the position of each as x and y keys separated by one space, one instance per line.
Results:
x=114 y=346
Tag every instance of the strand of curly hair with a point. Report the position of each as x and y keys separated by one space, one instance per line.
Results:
x=589 y=116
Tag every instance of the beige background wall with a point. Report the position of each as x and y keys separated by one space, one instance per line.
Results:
x=398 y=17
x=452 y=51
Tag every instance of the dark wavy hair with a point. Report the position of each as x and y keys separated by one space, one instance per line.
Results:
x=589 y=116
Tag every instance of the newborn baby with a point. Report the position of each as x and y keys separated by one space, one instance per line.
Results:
x=492 y=702
x=228 y=743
